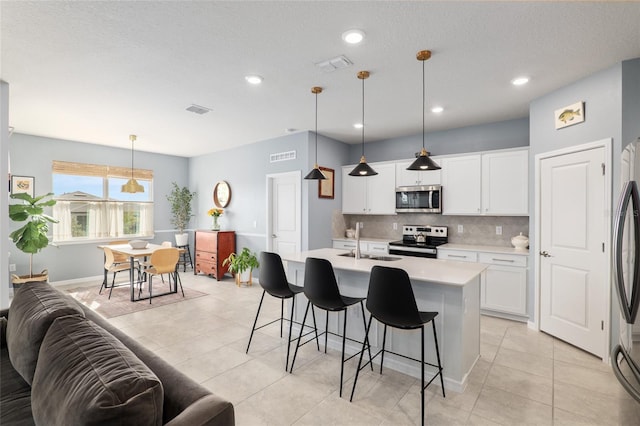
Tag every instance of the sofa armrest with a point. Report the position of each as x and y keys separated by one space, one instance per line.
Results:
x=208 y=410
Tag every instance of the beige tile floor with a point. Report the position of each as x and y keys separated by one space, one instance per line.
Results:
x=522 y=377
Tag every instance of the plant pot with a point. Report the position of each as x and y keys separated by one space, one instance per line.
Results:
x=244 y=277
x=182 y=239
x=17 y=280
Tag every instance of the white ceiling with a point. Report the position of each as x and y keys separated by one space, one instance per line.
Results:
x=98 y=71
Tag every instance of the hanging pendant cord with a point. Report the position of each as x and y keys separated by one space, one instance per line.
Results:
x=363 y=117
x=423 y=107
x=316 y=128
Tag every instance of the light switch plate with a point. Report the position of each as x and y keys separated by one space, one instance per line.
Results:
x=460 y=229
x=498 y=230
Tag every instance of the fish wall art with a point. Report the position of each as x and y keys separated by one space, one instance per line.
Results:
x=569 y=115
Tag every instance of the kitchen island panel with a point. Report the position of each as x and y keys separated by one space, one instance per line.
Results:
x=457 y=324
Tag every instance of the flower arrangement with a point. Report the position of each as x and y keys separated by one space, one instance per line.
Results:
x=215 y=212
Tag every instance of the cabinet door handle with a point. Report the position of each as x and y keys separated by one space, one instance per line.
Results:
x=495 y=259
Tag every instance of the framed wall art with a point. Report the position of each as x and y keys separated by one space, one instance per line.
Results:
x=326 y=186
x=569 y=115
x=23 y=185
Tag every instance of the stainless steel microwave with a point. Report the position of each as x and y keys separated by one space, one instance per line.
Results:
x=419 y=199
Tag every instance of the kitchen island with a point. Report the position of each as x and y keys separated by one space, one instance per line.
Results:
x=449 y=287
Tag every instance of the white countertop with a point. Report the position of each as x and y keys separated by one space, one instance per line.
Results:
x=487 y=249
x=419 y=268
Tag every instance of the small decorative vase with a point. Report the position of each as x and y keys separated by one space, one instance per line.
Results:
x=215 y=226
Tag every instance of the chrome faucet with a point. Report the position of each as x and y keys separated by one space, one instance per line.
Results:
x=357 y=240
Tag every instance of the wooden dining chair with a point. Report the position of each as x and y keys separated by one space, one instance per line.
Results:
x=164 y=261
x=112 y=266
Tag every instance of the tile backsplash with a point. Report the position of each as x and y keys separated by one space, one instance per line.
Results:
x=476 y=229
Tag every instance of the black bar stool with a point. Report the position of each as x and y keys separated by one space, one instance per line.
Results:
x=274 y=281
x=185 y=256
x=391 y=301
x=321 y=290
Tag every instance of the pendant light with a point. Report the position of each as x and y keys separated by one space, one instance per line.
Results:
x=132 y=186
x=315 y=173
x=423 y=162
x=363 y=169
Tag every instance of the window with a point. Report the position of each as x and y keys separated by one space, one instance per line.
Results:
x=90 y=204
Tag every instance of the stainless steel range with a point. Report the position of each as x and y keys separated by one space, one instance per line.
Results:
x=420 y=241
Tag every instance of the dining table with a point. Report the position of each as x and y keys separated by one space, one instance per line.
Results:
x=138 y=253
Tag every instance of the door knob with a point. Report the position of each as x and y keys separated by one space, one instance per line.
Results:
x=274 y=236
x=545 y=254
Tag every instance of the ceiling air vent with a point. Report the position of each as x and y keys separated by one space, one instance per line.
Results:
x=333 y=64
x=282 y=156
x=198 y=109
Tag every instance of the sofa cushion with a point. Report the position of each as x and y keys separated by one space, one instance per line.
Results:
x=34 y=307
x=15 y=395
x=86 y=376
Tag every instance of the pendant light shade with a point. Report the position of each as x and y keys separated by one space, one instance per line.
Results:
x=363 y=169
x=315 y=173
x=132 y=186
x=423 y=162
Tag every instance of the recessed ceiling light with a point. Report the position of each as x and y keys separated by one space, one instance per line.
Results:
x=519 y=81
x=358 y=125
x=437 y=109
x=253 y=79
x=353 y=36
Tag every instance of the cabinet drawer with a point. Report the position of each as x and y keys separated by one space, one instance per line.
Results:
x=503 y=259
x=207 y=241
x=205 y=256
x=206 y=268
x=459 y=255
x=345 y=245
x=378 y=248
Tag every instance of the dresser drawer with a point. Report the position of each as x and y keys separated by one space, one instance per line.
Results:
x=205 y=256
x=459 y=255
x=503 y=259
x=207 y=268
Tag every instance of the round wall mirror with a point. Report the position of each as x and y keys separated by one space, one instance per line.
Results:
x=222 y=194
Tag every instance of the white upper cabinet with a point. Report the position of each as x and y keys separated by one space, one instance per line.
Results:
x=505 y=183
x=369 y=194
x=490 y=183
x=461 y=185
x=406 y=177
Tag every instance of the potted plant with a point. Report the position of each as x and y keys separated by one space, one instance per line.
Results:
x=240 y=264
x=180 y=199
x=32 y=236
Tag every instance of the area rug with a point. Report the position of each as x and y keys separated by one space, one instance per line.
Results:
x=120 y=302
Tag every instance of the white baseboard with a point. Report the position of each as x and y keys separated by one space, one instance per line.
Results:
x=95 y=280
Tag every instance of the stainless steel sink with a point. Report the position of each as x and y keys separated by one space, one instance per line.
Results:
x=368 y=256
x=352 y=254
x=384 y=258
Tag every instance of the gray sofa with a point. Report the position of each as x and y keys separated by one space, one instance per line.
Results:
x=62 y=364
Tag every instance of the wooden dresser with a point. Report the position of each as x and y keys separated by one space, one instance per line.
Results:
x=211 y=249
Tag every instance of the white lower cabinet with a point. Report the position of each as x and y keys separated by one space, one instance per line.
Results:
x=503 y=285
x=365 y=246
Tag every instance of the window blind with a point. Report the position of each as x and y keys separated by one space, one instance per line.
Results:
x=83 y=169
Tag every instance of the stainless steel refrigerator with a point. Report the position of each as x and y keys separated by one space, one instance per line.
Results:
x=625 y=356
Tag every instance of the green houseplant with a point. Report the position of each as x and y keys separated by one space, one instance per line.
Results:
x=180 y=199
x=240 y=263
x=32 y=236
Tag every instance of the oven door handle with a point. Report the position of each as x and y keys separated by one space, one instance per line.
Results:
x=411 y=249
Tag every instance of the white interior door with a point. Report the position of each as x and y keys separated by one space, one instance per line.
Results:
x=285 y=218
x=574 y=281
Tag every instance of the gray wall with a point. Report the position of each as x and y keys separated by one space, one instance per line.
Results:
x=332 y=154
x=483 y=137
x=630 y=100
x=601 y=93
x=32 y=156
x=245 y=169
